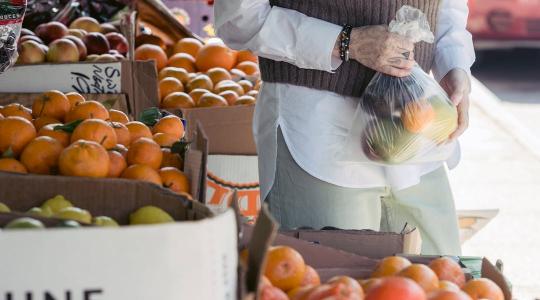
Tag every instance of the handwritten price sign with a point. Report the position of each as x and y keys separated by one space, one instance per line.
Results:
x=95 y=78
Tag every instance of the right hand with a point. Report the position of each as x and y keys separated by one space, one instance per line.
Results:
x=377 y=48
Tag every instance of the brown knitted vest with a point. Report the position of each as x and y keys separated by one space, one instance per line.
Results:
x=351 y=78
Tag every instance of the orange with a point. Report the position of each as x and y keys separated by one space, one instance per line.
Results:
x=258 y=85
x=60 y=135
x=196 y=94
x=332 y=291
x=142 y=172
x=423 y=275
x=41 y=155
x=218 y=74
x=12 y=165
x=42 y=121
x=396 y=288
x=349 y=282
x=85 y=159
x=449 y=270
x=152 y=52
x=15 y=134
x=237 y=74
x=212 y=100
x=177 y=100
x=229 y=85
x=118 y=116
x=253 y=93
x=182 y=60
x=311 y=277
x=170 y=124
x=390 y=266
x=449 y=295
x=284 y=267
x=52 y=104
x=95 y=130
x=169 y=85
x=145 y=151
x=178 y=73
x=74 y=98
x=190 y=46
x=230 y=96
x=121 y=149
x=246 y=55
x=448 y=286
x=171 y=159
x=175 y=180
x=370 y=283
x=248 y=67
x=213 y=56
x=87 y=110
x=246 y=85
x=117 y=164
x=245 y=100
x=164 y=139
x=483 y=288
x=200 y=82
x=122 y=133
x=417 y=115
x=138 y=130
x=16 y=110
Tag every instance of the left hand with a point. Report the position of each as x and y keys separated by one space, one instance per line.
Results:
x=458 y=86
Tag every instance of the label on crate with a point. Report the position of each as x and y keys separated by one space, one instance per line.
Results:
x=98 y=78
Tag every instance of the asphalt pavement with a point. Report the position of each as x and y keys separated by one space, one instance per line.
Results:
x=500 y=166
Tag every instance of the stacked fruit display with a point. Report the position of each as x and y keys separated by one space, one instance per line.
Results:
x=84 y=40
x=203 y=75
x=61 y=208
x=67 y=135
x=286 y=276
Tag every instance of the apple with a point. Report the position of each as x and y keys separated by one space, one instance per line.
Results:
x=92 y=57
x=106 y=58
x=96 y=43
x=107 y=28
x=25 y=31
x=63 y=50
x=117 y=42
x=77 y=32
x=44 y=47
x=30 y=52
x=80 y=46
x=30 y=38
x=387 y=141
x=86 y=23
x=51 y=31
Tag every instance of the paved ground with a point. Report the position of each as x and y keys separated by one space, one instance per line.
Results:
x=499 y=170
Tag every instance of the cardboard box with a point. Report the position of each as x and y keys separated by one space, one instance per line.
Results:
x=232 y=161
x=136 y=79
x=332 y=261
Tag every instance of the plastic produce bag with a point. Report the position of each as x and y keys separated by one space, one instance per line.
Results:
x=403 y=120
x=11 y=17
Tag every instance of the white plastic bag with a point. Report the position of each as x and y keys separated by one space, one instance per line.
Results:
x=403 y=120
x=11 y=18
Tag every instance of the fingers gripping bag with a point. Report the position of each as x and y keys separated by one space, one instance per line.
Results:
x=11 y=18
x=403 y=120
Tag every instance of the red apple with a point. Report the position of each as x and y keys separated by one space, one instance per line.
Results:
x=108 y=27
x=51 y=31
x=87 y=23
x=118 y=42
x=78 y=33
x=63 y=50
x=96 y=43
x=30 y=52
x=80 y=46
x=25 y=31
x=30 y=38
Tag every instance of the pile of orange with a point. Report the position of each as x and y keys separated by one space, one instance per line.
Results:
x=203 y=75
x=287 y=276
x=64 y=134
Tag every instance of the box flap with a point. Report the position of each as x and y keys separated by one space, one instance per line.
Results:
x=196 y=163
x=490 y=271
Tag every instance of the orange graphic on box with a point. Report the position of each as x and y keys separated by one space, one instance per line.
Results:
x=221 y=191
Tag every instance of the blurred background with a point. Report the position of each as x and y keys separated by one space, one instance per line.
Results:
x=497 y=184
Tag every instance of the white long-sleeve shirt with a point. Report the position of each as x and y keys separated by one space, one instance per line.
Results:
x=315 y=123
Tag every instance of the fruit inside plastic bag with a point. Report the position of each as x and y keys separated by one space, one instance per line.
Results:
x=405 y=120
x=11 y=16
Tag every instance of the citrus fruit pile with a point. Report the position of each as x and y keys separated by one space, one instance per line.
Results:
x=84 y=40
x=67 y=135
x=203 y=75
x=286 y=276
x=60 y=208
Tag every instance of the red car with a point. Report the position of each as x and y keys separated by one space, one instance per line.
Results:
x=497 y=24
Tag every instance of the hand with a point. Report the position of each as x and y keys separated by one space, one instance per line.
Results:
x=458 y=86
x=377 y=48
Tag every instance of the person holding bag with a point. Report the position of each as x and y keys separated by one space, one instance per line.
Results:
x=317 y=57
